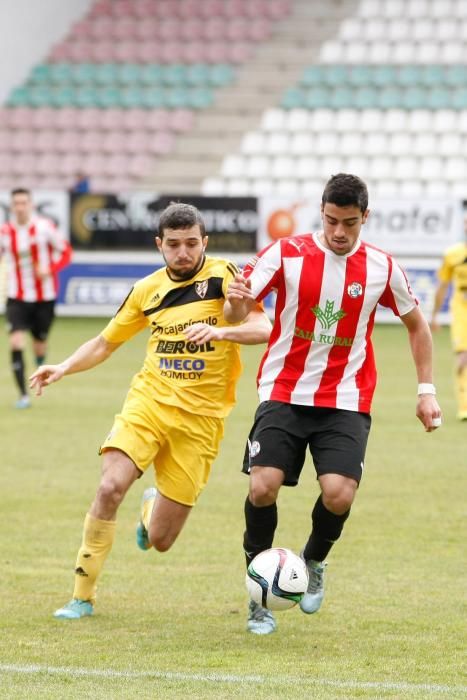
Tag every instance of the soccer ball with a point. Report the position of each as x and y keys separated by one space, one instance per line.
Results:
x=277 y=579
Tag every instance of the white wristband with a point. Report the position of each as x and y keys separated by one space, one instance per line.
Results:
x=426 y=389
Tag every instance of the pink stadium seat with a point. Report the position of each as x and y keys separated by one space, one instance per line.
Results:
x=169 y=29
x=81 y=30
x=211 y=8
x=125 y=52
x=60 y=52
x=5 y=139
x=81 y=51
x=45 y=140
x=6 y=160
x=172 y=52
x=161 y=143
x=147 y=30
x=188 y=8
x=116 y=164
x=94 y=164
x=70 y=164
x=136 y=142
x=122 y=8
x=195 y=52
x=114 y=142
x=216 y=52
x=43 y=117
x=19 y=117
x=258 y=30
x=68 y=141
x=110 y=119
x=140 y=166
x=158 y=119
x=239 y=52
x=65 y=118
x=147 y=8
x=182 y=120
x=214 y=28
x=235 y=8
x=47 y=164
x=101 y=28
x=193 y=29
x=134 y=118
x=102 y=52
x=125 y=29
x=102 y=7
x=23 y=163
x=148 y=52
x=87 y=118
x=22 y=141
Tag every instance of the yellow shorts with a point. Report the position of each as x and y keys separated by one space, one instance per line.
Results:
x=182 y=446
x=459 y=329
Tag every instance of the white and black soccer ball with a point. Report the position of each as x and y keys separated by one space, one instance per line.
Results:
x=277 y=579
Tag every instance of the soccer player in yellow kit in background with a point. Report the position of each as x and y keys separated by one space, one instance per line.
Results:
x=173 y=415
x=453 y=271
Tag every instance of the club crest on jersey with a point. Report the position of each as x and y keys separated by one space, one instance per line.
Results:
x=255 y=448
x=201 y=288
x=355 y=290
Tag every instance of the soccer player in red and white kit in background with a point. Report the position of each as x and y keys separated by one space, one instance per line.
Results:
x=317 y=377
x=34 y=250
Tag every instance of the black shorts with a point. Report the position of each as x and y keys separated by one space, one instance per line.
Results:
x=34 y=316
x=282 y=432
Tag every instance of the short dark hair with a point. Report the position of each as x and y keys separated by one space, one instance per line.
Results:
x=20 y=190
x=179 y=215
x=346 y=190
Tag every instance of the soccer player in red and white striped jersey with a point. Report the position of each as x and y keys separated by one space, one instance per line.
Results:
x=34 y=250
x=317 y=378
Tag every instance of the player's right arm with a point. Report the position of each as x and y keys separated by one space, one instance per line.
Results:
x=88 y=355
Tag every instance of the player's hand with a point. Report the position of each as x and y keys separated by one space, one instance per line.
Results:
x=429 y=412
x=239 y=289
x=45 y=375
x=200 y=333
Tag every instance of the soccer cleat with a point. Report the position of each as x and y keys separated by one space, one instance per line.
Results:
x=74 y=610
x=142 y=538
x=260 y=620
x=23 y=402
x=311 y=601
x=462 y=415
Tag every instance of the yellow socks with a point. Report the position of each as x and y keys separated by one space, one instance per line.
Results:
x=146 y=511
x=98 y=537
x=461 y=390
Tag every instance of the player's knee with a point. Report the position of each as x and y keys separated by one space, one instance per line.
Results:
x=339 y=502
x=110 y=492
x=262 y=493
x=160 y=542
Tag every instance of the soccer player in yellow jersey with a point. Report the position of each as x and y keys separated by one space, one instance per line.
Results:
x=174 y=412
x=453 y=271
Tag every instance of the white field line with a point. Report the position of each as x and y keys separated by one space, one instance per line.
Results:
x=427 y=688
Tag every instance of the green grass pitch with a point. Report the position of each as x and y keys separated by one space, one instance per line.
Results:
x=173 y=625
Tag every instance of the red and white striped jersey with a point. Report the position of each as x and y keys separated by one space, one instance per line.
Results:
x=320 y=351
x=34 y=253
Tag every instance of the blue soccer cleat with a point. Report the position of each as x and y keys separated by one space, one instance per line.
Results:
x=311 y=601
x=74 y=610
x=142 y=538
x=260 y=620
x=23 y=402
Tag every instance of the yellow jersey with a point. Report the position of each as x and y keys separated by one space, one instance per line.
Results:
x=199 y=379
x=454 y=270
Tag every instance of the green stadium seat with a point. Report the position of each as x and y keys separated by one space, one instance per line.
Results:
x=365 y=98
x=151 y=74
x=200 y=98
x=198 y=74
x=335 y=75
x=63 y=96
x=414 y=98
x=456 y=75
x=88 y=96
x=153 y=98
x=459 y=98
x=384 y=75
x=439 y=98
x=107 y=96
x=341 y=98
x=131 y=97
x=432 y=75
x=106 y=73
x=40 y=96
x=19 y=97
x=312 y=76
x=60 y=72
x=128 y=73
x=409 y=76
x=174 y=74
x=317 y=98
x=293 y=98
x=40 y=73
x=221 y=74
x=389 y=97
x=83 y=73
x=360 y=76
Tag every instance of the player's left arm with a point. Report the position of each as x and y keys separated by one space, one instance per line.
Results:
x=422 y=352
x=255 y=329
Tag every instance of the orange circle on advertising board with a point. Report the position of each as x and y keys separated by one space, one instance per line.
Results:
x=281 y=223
